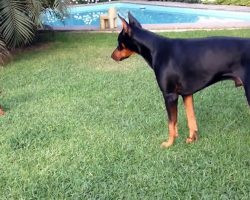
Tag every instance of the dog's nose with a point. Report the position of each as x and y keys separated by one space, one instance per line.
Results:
x=114 y=56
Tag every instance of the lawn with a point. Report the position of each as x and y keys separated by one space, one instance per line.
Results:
x=80 y=126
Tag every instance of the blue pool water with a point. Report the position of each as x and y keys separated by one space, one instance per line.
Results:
x=146 y=14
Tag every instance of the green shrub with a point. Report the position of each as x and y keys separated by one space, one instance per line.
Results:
x=234 y=2
x=186 y=1
x=85 y=1
x=225 y=2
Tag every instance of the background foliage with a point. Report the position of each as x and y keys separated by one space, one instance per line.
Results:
x=226 y=2
x=186 y=1
x=19 y=21
x=234 y=2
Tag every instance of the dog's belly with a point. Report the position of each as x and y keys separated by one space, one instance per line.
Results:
x=195 y=85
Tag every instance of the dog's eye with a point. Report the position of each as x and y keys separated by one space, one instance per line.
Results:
x=119 y=47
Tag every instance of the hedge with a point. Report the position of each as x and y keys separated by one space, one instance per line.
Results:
x=186 y=1
x=234 y=2
x=224 y=2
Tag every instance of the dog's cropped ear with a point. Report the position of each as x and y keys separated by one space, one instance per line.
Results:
x=125 y=25
x=133 y=21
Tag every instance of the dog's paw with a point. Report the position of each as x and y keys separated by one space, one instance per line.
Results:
x=166 y=145
x=191 y=140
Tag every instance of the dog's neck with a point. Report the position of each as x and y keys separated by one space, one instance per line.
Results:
x=146 y=41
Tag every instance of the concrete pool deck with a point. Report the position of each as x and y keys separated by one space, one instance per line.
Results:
x=190 y=5
x=202 y=24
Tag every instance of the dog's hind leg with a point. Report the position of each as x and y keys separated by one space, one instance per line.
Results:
x=245 y=77
x=192 y=125
x=247 y=88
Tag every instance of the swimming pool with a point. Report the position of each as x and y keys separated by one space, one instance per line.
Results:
x=88 y=16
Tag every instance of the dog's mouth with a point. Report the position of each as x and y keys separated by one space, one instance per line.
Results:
x=118 y=59
x=124 y=58
x=121 y=55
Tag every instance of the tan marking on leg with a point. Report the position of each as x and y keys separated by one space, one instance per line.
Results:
x=192 y=125
x=1 y=112
x=172 y=129
x=172 y=135
x=176 y=130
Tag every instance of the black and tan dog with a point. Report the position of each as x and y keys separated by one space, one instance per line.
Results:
x=185 y=66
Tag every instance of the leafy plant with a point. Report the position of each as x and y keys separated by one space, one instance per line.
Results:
x=3 y=52
x=234 y=2
x=19 y=20
x=186 y=1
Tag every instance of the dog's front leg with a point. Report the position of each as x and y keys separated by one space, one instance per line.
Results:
x=171 y=101
x=192 y=125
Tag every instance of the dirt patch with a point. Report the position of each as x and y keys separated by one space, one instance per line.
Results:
x=18 y=51
x=32 y=48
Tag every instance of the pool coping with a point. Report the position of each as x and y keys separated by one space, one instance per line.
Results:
x=172 y=27
x=189 y=5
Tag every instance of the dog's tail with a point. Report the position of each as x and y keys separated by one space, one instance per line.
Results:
x=246 y=84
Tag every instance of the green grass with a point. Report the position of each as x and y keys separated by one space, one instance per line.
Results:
x=81 y=126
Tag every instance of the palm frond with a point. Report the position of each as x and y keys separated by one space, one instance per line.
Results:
x=58 y=8
x=4 y=53
x=16 y=26
x=35 y=8
x=61 y=6
x=19 y=19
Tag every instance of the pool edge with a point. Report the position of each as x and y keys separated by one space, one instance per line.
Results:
x=170 y=27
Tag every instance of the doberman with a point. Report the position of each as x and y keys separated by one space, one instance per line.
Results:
x=185 y=66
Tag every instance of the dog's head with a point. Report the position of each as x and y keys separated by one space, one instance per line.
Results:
x=126 y=44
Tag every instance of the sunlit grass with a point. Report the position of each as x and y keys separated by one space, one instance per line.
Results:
x=80 y=126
